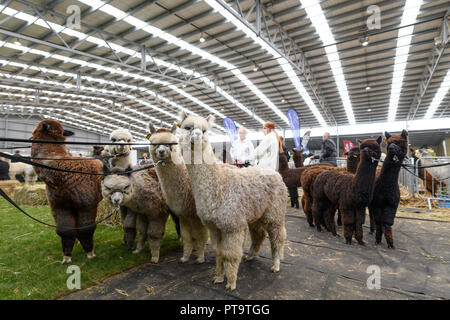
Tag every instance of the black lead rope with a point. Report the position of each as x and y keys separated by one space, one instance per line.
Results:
x=7 y=198
x=40 y=165
x=85 y=143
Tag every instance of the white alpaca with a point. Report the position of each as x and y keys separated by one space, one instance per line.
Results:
x=122 y=153
x=174 y=181
x=228 y=200
x=24 y=169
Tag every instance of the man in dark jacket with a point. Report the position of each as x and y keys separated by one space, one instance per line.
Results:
x=4 y=170
x=328 y=153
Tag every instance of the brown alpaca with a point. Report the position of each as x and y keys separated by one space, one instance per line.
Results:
x=386 y=197
x=73 y=198
x=352 y=193
x=291 y=178
x=310 y=175
x=297 y=157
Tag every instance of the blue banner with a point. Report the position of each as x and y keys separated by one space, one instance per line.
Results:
x=295 y=127
x=230 y=127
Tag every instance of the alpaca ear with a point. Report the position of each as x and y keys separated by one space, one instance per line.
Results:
x=174 y=128
x=211 y=119
x=151 y=128
x=68 y=133
x=387 y=135
x=182 y=115
x=380 y=139
x=404 y=134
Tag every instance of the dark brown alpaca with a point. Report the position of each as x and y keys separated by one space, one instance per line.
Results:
x=386 y=197
x=297 y=157
x=73 y=198
x=309 y=176
x=352 y=193
x=291 y=178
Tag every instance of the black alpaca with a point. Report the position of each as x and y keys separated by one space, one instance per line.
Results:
x=386 y=196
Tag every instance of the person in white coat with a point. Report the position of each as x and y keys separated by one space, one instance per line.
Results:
x=242 y=150
x=267 y=153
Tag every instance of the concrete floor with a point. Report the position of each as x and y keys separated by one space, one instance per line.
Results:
x=316 y=266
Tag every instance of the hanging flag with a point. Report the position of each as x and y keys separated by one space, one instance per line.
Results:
x=230 y=127
x=347 y=145
x=295 y=127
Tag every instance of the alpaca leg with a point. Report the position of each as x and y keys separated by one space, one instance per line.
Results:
x=257 y=234
x=200 y=237
x=372 y=221
x=360 y=215
x=318 y=209
x=348 y=218
x=306 y=204
x=141 y=228
x=232 y=244
x=123 y=215
x=339 y=218
x=129 y=229
x=277 y=236
x=388 y=221
x=292 y=196
x=65 y=228
x=85 y=233
x=377 y=214
x=296 y=198
x=216 y=240
x=329 y=219
x=186 y=235
x=155 y=233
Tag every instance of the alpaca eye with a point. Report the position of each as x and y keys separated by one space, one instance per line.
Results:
x=113 y=139
x=187 y=128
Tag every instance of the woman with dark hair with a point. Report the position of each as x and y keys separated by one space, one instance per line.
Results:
x=266 y=154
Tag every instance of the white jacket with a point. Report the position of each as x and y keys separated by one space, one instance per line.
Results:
x=242 y=150
x=267 y=153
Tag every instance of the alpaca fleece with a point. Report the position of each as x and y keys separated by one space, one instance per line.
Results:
x=297 y=157
x=146 y=210
x=73 y=198
x=386 y=197
x=228 y=200
x=351 y=193
x=291 y=178
x=310 y=175
x=177 y=192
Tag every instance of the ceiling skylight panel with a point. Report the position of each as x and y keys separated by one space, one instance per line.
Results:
x=193 y=49
x=320 y=23
x=439 y=96
x=410 y=13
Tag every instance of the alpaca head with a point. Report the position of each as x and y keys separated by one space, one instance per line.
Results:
x=116 y=186
x=370 y=148
x=194 y=139
x=283 y=161
x=397 y=145
x=120 y=136
x=164 y=150
x=50 y=130
x=353 y=153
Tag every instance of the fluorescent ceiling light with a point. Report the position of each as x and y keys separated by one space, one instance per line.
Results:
x=320 y=23
x=106 y=8
x=410 y=13
x=187 y=46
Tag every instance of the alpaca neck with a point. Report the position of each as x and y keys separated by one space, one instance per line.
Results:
x=364 y=180
x=352 y=164
x=39 y=150
x=390 y=170
x=122 y=161
x=284 y=165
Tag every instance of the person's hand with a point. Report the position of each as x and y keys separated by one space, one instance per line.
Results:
x=311 y=157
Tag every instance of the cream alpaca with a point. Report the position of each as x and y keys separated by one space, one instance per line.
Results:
x=174 y=181
x=122 y=152
x=229 y=199
x=146 y=210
